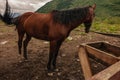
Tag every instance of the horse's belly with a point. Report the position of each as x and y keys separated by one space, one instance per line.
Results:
x=41 y=36
x=37 y=32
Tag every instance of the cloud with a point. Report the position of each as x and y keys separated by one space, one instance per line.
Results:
x=22 y=6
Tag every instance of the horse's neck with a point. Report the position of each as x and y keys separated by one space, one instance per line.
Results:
x=75 y=24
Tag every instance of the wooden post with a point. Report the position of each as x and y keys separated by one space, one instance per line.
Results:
x=84 y=62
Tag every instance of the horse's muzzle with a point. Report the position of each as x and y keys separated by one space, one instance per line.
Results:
x=86 y=30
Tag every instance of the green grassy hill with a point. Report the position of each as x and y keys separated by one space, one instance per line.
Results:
x=107 y=12
x=105 y=8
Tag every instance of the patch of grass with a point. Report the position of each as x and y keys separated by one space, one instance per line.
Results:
x=110 y=25
x=106 y=25
x=80 y=30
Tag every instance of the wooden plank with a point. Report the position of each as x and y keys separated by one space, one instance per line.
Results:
x=106 y=57
x=84 y=62
x=107 y=73
x=113 y=49
x=115 y=76
x=108 y=34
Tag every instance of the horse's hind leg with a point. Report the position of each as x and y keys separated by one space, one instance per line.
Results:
x=28 y=38
x=20 y=39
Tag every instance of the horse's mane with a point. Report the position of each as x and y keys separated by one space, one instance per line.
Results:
x=68 y=16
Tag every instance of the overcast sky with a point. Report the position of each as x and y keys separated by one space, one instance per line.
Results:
x=22 y=6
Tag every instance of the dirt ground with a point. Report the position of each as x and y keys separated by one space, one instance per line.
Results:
x=13 y=66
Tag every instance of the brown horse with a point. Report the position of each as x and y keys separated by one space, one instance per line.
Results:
x=54 y=27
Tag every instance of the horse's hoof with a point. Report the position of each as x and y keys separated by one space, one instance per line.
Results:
x=59 y=73
x=56 y=70
x=25 y=60
x=50 y=74
x=19 y=53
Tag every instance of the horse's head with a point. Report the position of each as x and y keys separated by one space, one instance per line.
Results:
x=90 y=18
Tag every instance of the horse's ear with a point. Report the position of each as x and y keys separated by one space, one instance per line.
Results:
x=94 y=6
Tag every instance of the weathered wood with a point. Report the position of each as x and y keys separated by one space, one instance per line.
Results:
x=115 y=76
x=106 y=47
x=108 y=34
x=107 y=53
x=108 y=73
x=113 y=49
x=84 y=62
x=106 y=57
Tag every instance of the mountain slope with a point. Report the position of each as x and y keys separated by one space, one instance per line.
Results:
x=105 y=8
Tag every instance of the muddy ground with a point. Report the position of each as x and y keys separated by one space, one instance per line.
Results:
x=13 y=66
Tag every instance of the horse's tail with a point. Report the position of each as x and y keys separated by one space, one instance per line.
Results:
x=7 y=17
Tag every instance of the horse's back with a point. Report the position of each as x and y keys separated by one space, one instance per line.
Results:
x=38 y=20
x=24 y=16
x=41 y=16
x=37 y=25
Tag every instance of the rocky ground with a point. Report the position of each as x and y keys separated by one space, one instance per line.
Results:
x=13 y=66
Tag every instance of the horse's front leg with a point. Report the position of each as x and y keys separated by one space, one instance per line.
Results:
x=56 y=53
x=51 y=53
x=54 y=48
